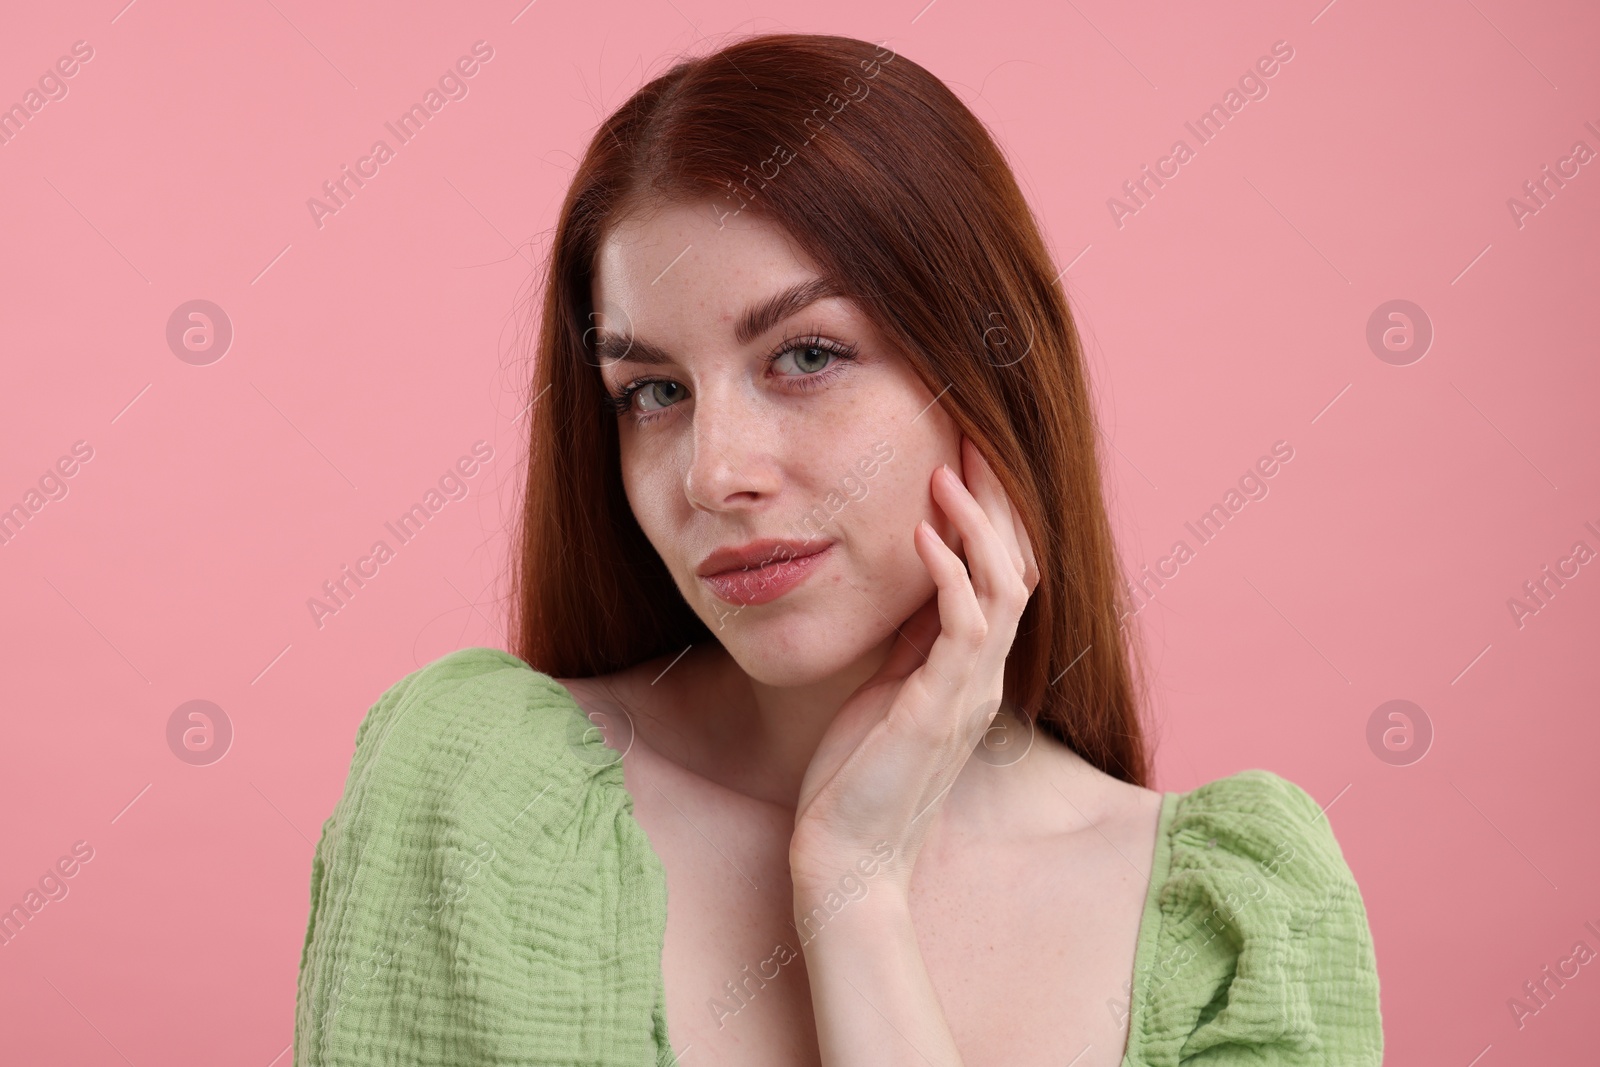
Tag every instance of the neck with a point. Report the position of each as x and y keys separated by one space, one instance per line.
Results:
x=755 y=738
x=758 y=740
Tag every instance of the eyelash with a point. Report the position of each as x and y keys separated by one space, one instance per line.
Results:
x=622 y=404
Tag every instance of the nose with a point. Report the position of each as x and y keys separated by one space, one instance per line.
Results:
x=731 y=464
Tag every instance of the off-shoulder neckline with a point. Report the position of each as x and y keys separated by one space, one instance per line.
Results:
x=1149 y=926
x=1149 y=917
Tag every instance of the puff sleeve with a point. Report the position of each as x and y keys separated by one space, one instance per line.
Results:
x=1256 y=948
x=481 y=892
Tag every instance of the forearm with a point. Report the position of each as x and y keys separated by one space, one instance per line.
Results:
x=872 y=998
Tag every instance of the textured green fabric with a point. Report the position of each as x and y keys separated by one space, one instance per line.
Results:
x=482 y=894
x=1254 y=947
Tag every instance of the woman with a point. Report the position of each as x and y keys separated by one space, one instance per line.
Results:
x=814 y=529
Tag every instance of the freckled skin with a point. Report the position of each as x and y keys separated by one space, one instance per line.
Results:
x=736 y=452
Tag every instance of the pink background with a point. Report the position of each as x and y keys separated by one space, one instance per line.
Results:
x=370 y=354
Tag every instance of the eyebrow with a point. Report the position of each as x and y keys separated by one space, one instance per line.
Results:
x=757 y=320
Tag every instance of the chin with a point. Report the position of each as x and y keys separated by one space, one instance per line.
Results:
x=784 y=667
x=780 y=646
x=779 y=669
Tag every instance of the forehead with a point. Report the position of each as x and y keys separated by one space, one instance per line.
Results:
x=665 y=254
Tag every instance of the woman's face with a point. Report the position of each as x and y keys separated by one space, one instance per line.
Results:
x=800 y=425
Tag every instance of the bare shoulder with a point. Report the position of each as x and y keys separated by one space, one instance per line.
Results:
x=657 y=704
x=584 y=690
x=604 y=693
x=635 y=717
x=630 y=688
x=607 y=702
x=1096 y=804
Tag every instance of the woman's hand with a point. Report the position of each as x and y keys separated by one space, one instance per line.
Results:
x=882 y=768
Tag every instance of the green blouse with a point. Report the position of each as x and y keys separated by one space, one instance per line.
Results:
x=482 y=894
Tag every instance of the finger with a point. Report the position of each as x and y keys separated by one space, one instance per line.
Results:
x=1030 y=562
x=978 y=477
x=990 y=493
x=963 y=626
x=995 y=573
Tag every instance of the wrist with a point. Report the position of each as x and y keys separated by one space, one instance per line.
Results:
x=874 y=906
x=847 y=878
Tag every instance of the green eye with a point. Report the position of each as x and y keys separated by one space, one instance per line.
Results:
x=646 y=389
x=814 y=353
x=818 y=352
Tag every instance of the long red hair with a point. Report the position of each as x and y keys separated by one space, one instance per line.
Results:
x=889 y=183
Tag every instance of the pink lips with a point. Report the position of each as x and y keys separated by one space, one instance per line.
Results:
x=760 y=585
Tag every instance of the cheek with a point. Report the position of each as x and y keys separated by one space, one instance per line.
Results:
x=886 y=518
x=645 y=483
x=900 y=494
x=883 y=557
x=893 y=505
